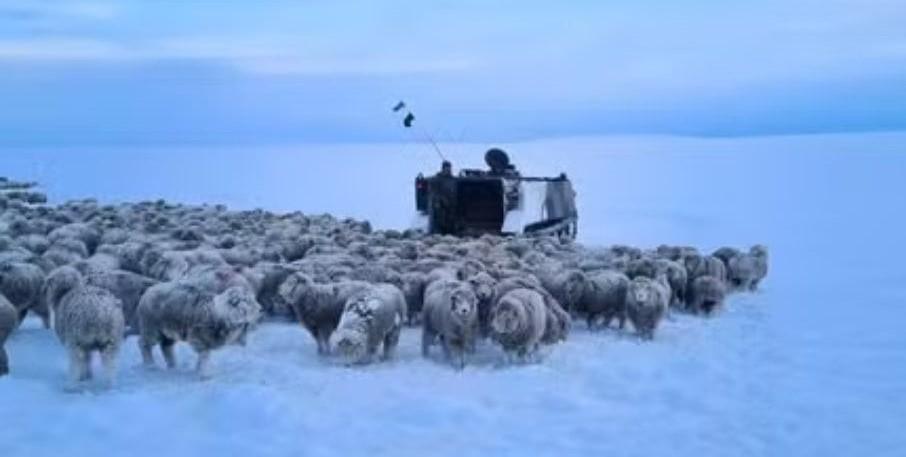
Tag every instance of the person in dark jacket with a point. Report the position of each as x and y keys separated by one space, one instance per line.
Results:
x=442 y=201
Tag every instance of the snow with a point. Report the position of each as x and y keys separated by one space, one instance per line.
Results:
x=812 y=365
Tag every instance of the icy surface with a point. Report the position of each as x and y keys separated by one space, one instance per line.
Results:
x=814 y=364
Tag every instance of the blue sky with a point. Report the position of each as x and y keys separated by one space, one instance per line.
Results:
x=220 y=71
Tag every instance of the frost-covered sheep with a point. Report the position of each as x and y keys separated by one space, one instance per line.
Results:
x=371 y=318
x=451 y=314
x=677 y=278
x=414 y=284
x=518 y=322
x=697 y=265
x=170 y=266
x=182 y=311
x=647 y=301
x=742 y=271
x=604 y=299
x=567 y=286
x=21 y=284
x=85 y=233
x=127 y=286
x=558 y=320
x=484 y=287
x=725 y=254
x=271 y=275
x=706 y=295
x=60 y=281
x=318 y=306
x=644 y=266
x=9 y=320
x=760 y=253
x=89 y=319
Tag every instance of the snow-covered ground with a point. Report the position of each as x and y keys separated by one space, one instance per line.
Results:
x=814 y=364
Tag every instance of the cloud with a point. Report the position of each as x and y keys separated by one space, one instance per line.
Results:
x=59 y=50
x=38 y=10
x=257 y=57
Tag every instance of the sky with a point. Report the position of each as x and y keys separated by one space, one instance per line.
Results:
x=90 y=72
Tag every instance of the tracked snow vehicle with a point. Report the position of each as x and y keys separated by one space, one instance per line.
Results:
x=499 y=201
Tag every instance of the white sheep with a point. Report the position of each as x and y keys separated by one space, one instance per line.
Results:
x=450 y=313
x=706 y=295
x=518 y=322
x=647 y=301
x=89 y=319
x=183 y=311
x=21 y=284
x=318 y=306
x=604 y=299
x=371 y=318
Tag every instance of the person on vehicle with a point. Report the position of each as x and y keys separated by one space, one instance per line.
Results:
x=499 y=163
x=442 y=201
x=446 y=169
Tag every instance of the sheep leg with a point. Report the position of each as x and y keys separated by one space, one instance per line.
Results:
x=87 y=374
x=203 y=367
x=390 y=343
x=323 y=339
x=22 y=314
x=460 y=357
x=146 y=345
x=79 y=362
x=4 y=362
x=108 y=359
x=166 y=347
x=427 y=339
x=445 y=345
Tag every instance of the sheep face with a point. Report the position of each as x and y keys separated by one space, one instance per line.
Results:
x=641 y=294
x=506 y=318
x=462 y=305
x=574 y=287
x=483 y=286
x=350 y=345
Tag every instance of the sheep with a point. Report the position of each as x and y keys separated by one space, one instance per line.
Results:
x=518 y=322
x=643 y=266
x=127 y=286
x=318 y=306
x=706 y=295
x=604 y=299
x=272 y=275
x=760 y=253
x=85 y=233
x=567 y=286
x=697 y=265
x=182 y=311
x=741 y=271
x=558 y=321
x=21 y=283
x=482 y=285
x=725 y=254
x=89 y=319
x=451 y=313
x=677 y=278
x=414 y=284
x=9 y=320
x=647 y=301
x=371 y=318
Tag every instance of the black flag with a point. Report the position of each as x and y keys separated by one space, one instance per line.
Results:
x=407 y=122
x=399 y=106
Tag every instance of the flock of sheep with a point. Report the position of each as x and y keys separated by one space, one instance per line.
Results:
x=207 y=276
